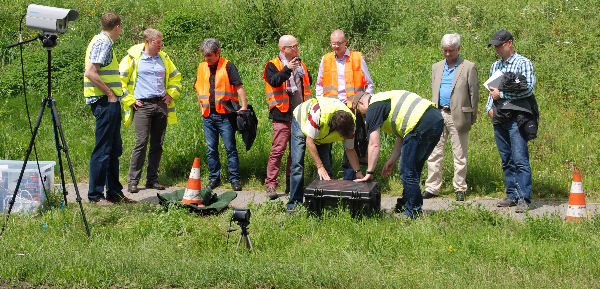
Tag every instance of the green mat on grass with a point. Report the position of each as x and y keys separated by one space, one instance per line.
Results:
x=215 y=203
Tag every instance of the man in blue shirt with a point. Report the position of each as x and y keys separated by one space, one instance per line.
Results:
x=150 y=82
x=455 y=87
x=511 y=143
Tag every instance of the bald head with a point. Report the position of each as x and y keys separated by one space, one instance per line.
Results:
x=338 y=33
x=287 y=40
x=288 y=45
x=338 y=42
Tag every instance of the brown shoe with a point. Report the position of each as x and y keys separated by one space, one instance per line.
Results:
x=121 y=200
x=155 y=186
x=102 y=202
x=132 y=189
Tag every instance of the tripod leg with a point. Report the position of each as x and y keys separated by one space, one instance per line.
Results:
x=248 y=243
x=35 y=130
x=239 y=241
x=58 y=149
x=66 y=150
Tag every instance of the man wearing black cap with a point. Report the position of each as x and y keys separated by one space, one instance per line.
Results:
x=511 y=143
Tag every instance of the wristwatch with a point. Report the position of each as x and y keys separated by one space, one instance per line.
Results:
x=357 y=171
x=370 y=173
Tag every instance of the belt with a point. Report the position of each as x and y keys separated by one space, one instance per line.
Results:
x=154 y=99
x=445 y=108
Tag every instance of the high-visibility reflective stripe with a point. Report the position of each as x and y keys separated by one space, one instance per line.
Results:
x=329 y=88
x=226 y=93
x=110 y=84
x=125 y=74
x=277 y=92
x=332 y=96
x=174 y=86
x=409 y=113
x=299 y=116
x=130 y=83
x=397 y=110
x=204 y=105
x=204 y=96
x=171 y=109
x=108 y=72
x=175 y=72
x=125 y=92
x=355 y=89
x=132 y=61
x=278 y=101
x=307 y=87
x=127 y=112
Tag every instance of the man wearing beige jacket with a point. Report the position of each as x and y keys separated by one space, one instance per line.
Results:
x=455 y=87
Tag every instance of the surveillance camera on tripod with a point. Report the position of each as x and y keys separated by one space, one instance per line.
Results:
x=242 y=217
x=49 y=20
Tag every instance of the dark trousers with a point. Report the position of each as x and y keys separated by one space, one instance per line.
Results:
x=150 y=121
x=104 y=163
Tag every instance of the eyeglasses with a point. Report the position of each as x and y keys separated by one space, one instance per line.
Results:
x=292 y=46
x=337 y=43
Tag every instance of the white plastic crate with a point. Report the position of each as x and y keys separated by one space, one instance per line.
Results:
x=31 y=191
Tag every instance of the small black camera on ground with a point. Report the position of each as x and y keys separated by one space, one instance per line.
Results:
x=241 y=215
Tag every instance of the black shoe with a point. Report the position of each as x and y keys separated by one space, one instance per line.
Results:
x=507 y=202
x=155 y=186
x=461 y=196
x=214 y=184
x=236 y=186
x=428 y=195
x=132 y=189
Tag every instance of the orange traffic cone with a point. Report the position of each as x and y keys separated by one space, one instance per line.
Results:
x=193 y=193
x=576 y=209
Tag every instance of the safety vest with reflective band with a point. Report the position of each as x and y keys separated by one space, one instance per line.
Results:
x=109 y=74
x=328 y=108
x=223 y=89
x=353 y=76
x=129 y=68
x=406 y=111
x=277 y=96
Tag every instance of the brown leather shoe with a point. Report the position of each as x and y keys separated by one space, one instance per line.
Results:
x=155 y=186
x=132 y=189
x=121 y=200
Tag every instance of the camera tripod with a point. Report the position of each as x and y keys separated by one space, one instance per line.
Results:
x=243 y=235
x=49 y=42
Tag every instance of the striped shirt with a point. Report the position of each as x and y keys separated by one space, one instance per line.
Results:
x=516 y=64
x=312 y=127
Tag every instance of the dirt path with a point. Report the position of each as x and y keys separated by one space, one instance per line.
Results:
x=538 y=207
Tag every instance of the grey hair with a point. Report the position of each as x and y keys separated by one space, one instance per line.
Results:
x=451 y=39
x=150 y=34
x=210 y=45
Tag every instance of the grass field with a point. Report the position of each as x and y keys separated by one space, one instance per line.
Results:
x=148 y=246
x=144 y=246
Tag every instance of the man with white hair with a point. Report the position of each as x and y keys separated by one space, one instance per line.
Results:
x=455 y=87
x=287 y=85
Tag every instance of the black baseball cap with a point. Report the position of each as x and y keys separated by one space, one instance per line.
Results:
x=500 y=37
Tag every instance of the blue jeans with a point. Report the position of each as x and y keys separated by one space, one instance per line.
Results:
x=297 y=168
x=416 y=149
x=349 y=172
x=515 y=160
x=221 y=124
x=104 y=163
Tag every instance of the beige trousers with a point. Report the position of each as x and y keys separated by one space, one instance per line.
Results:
x=460 y=144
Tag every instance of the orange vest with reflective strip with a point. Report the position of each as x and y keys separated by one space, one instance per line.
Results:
x=223 y=89
x=277 y=96
x=353 y=76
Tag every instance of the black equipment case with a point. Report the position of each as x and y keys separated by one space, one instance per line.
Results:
x=362 y=198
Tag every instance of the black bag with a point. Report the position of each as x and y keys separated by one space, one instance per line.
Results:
x=513 y=82
x=360 y=198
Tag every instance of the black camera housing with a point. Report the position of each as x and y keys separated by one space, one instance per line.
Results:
x=241 y=215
